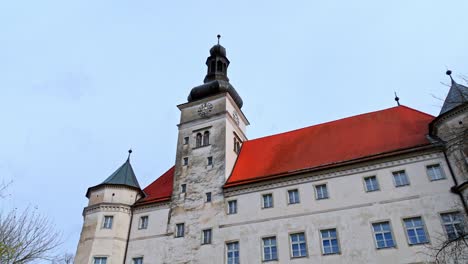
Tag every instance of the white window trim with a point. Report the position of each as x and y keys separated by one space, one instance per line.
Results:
x=365 y=185
x=262 y=242
x=298 y=196
x=337 y=241
x=406 y=231
x=406 y=175
x=391 y=231
x=291 y=248
x=317 y=193
x=262 y=200
x=442 y=172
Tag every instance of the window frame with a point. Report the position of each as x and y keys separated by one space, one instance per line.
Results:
x=337 y=237
x=177 y=228
x=208 y=197
x=226 y=247
x=185 y=161
x=203 y=241
x=262 y=243
x=365 y=183
x=462 y=221
x=141 y=222
x=262 y=200
x=101 y=258
x=209 y=161
x=104 y=226
x=228 y=208
x=316 y=186
x=291 y=254
x=408 y=183
x=206 y=138
x=137 y=258
x=442 y=173
x=183 y=188
x=298 y=196
x=426 y=233
x=186 y=140
x=391 y=232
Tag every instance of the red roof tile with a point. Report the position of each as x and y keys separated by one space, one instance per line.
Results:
x=330 y=143
x=159 y=190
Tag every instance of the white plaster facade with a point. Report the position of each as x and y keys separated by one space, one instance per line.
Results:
x=349 y=208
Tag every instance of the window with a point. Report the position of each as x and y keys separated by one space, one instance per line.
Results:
x=293 y=196
x=267 y=200
x=232 y=253
x=453 y=225
x=186 y=140
x=185 y=162
x=180 y=230
x=138 y=260
x=298 y=245
x=183 y=188
x=100 y=260
x=107 y=224
x=219 y=66
x=383 y=235
x=198 y=140
x=270 y=251
x=206 y=236
x=210 y=161
x=371 y=184
x=435 y=172
x=237 y=145
x=415 y=231
x=143 y=222
x=232 y=207
x=400 y=178
x=321 y=192
x=208 y=197
x=206 y=138
x=329 y=241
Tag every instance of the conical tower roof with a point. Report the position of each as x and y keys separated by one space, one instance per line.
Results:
x=457 y=95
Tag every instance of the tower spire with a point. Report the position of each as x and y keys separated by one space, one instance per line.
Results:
x=129 y=153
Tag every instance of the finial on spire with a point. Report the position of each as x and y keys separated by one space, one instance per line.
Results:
x=397 y=99
x=218 y=36
x=129 y=153
x=449 y=73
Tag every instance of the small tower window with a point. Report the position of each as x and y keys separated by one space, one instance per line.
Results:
x=183 y=188
x=186 y=140
x=210 y=161
x=208 y=197
x=180 y=230
x=219 y=66
x=107 y=223
x=198 y=140
x=206 y=138
x=185 y=162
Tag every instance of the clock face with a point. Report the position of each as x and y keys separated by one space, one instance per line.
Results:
x=235 y=116
x=204 y=109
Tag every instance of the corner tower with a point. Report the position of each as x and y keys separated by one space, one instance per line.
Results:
x=107 y=218
x=211 y=131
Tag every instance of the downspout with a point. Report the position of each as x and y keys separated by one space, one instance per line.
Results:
x=129 y=230
x=454 y=189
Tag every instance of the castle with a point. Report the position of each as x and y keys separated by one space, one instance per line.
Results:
x=373 y=188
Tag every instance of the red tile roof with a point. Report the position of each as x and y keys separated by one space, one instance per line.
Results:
x=331 y=143
x=322 y=145
x=160 y=190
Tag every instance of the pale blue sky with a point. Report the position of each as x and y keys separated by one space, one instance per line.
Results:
x=83 y=81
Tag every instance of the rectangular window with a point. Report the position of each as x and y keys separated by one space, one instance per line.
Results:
x=186 y=140
x=321 y=192
x=183 y=188
x=143 y=222
x=210 y=161
x=208 y=197
x=267 y=200
x=100 y=260
x=371 y=184
x=185 y=162
x=383 y=235
x=180 y=230
x=206 y=236
x=107 y=224
x=232 y=207
x=400 y=178
x=329 y=241
x=435 y=172
x=232 y=250
x=453 y=225
x=415 y=231
x=270 y=251
x=298 y=245
x=137 y=260
x=293 y=196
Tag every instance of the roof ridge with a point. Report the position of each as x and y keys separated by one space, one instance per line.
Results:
x=340 y=119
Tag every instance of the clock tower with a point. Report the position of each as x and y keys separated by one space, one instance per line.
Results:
x=211 y=131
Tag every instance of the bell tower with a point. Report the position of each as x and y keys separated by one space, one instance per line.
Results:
x=211 y=131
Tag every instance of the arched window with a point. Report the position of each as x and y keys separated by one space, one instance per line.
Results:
x=219 y=66
x=206 y=138
x=199 y=140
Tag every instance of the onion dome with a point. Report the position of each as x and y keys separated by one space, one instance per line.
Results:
x=216 y=80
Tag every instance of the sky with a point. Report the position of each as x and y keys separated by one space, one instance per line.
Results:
x=81 y=82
